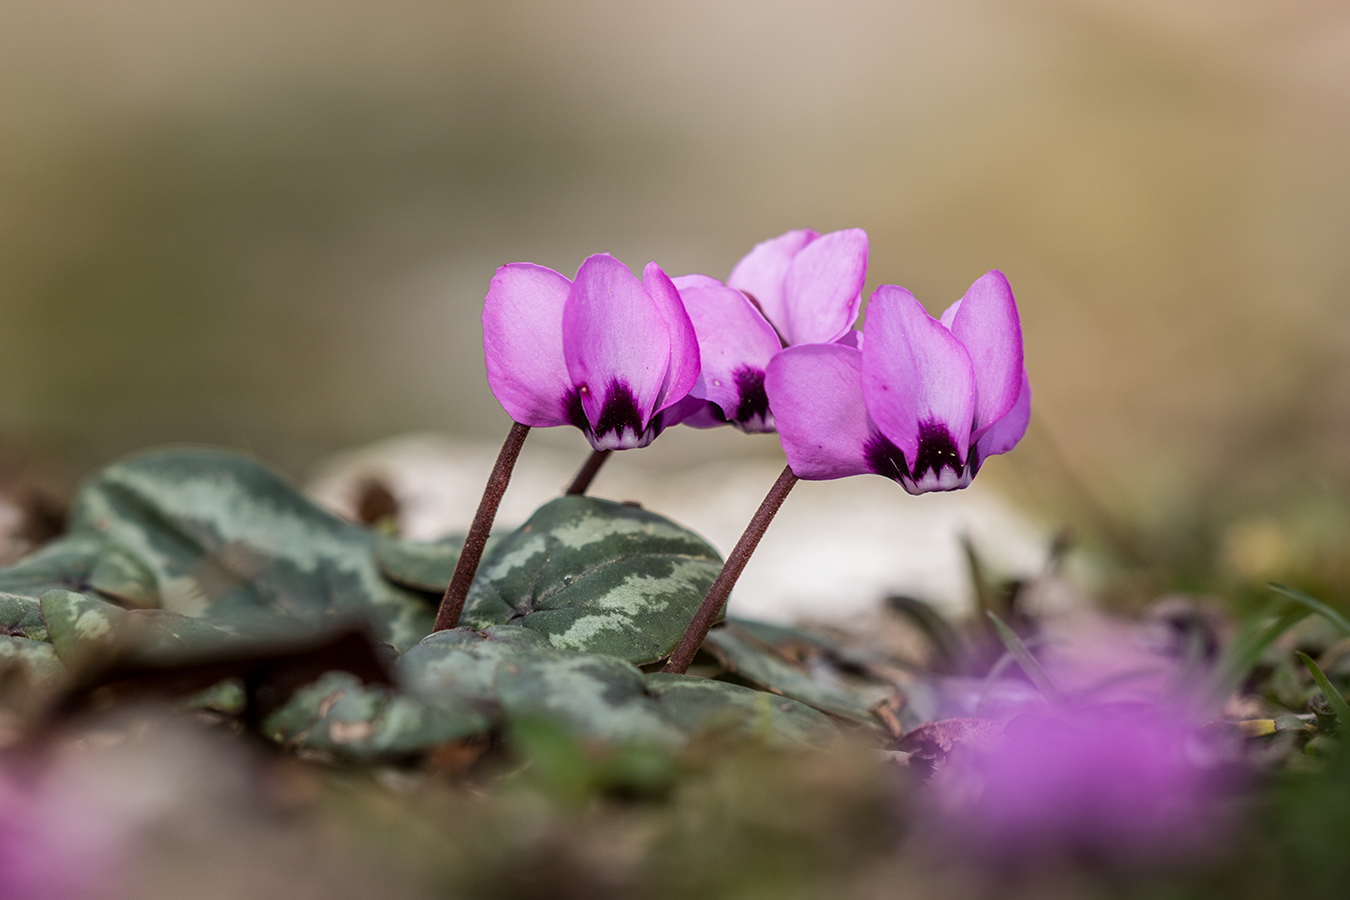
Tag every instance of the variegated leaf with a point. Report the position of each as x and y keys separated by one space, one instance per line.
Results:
x=222 y=537
x=596 y=576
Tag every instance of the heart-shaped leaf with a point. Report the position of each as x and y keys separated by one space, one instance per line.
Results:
x=596 y=576
x=215 y=534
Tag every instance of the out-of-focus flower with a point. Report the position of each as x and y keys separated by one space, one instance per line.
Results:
x=606 y=352
x=798 y=288
x=924 y=402
x=1122 y=783
x=56 y=844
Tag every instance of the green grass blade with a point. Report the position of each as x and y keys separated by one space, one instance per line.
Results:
x=1028 y=662
x=1243 y=653
x=1314 y=605
x=1334 y=698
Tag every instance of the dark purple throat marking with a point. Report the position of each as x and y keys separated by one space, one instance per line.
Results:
x=937 y=451
x=619 y=413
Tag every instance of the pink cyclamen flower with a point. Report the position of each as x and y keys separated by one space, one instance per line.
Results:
x=606 y=352
x=1124 y=783
x=798 y=288
x=924 y=402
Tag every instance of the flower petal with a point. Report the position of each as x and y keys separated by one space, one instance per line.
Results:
x=684 y=347
x=917 y=381
x=815 y=391
x=522 y=343
x=1004 y=434
x=616 y=344
x=823 y=288
x=762 y=272
x=735 y=344
x=986 y=322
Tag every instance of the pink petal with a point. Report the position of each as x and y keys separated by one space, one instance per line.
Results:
x=823 y=288
x=986 y=322
x=762 y=272
x=815 y=392
x=694 y=412
x=917 y=380
x=1004 y=434
x=523 y=343
x=684 y=347
x=735 y=344
x=616 y=344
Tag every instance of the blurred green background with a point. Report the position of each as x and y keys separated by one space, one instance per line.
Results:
x=271 y=225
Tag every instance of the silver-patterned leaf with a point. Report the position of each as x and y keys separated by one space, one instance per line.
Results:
x=340 y=715
x=224 y=538
x=80 y=627
x=596 y=576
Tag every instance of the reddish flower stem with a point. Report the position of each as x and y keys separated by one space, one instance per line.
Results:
x=452 y=604
x=731 y=571
x=588 y=472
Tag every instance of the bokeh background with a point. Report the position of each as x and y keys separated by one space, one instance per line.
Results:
x=271 y=225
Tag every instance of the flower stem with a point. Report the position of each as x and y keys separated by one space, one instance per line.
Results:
x=452 y=604
x=731 y=570
x=587 y=472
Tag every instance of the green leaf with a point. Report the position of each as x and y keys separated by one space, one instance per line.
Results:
x=36 y=659
x=419 y=565
x=1314 y=605
x=1242 y=654
x=339 y=714
x=66 y=564
x=81 y=627
x=700 y=705
x=459 y=665
x=596 y=576
x=1334 y=697
x=21 y=617
x=215 y=534
x=758 y=662
x=595 y=697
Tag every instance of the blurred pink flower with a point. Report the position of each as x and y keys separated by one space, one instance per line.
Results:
x=55 y=843
x=1115 y=783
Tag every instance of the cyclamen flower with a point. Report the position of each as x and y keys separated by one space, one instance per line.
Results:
x=924 y=402
x=797 y=288
x=606 y=352
x=1123 y=783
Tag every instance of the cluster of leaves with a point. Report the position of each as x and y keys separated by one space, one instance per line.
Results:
x=201 y=572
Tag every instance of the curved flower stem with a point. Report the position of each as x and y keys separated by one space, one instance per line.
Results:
x=731 y=571
x=452 y=604
x=587 y=472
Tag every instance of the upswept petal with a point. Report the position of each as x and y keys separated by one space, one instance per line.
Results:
x=986 y=322
x=684 y=347
x=616 y=344
x=735 y=344
x=822 y=291
x=815 y=391
x=762 y=272
x=917 y=380
x=1004 y=434
x=522 y=343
